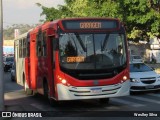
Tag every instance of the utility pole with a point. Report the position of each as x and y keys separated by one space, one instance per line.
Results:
x=1 y=59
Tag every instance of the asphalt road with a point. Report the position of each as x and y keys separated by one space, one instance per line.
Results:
x=127 y=107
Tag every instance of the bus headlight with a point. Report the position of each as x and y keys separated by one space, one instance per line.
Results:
x=62 y=80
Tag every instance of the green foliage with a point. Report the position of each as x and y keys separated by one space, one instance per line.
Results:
x=141 y=17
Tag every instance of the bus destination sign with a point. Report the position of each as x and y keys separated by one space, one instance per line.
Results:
x=90 y=24
x=75 y=59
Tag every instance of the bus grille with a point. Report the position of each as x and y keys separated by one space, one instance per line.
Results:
x=99 y=91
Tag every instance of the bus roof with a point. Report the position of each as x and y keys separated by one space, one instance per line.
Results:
x=21 y=36
x=71 y=24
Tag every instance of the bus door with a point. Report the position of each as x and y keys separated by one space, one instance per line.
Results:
x=27 y=69
x=27 y=61
x=19 y=81
x=52 y=65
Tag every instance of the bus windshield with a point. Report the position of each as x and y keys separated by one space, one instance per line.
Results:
x=92 y=51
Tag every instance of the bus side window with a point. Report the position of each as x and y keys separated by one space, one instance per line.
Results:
x=39 y=50
x=39 y=38
x=28 y=46
x=44 y=46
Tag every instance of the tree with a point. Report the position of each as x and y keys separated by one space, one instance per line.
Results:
x=141 y=17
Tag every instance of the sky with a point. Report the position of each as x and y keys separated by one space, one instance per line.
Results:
x=25 y=11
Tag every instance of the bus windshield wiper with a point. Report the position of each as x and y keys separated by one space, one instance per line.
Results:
x=80 y=42
x=72 y=38
x=105 y=42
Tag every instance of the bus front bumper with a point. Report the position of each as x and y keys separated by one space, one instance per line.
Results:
x=95 y=92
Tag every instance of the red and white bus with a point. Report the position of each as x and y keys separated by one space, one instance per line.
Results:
x=73 y=59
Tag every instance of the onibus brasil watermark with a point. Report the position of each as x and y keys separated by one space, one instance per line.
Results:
x=21 y=114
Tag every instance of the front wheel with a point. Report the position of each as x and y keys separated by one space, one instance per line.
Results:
x=45 y=90
x=52 y=102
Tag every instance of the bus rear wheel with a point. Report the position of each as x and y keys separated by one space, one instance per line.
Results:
x=104 y=100
x=45 y=90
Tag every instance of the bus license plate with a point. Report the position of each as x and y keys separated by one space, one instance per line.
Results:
x=96 y=90
x=150 y=86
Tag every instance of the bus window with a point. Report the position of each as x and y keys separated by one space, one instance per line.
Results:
x=90 y=51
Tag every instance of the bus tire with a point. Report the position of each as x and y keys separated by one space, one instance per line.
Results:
x=104 y=100
x=45 y=89
x=52 y=102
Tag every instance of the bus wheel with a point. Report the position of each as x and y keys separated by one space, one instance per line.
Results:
x=104 y=100
x=52 y=102
x=46 y=90
x=27 y=90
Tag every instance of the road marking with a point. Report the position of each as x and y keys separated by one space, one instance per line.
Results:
x=122 y=101
x=144 y=99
